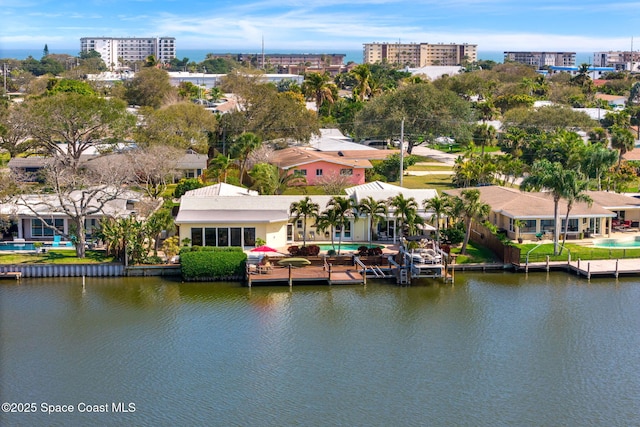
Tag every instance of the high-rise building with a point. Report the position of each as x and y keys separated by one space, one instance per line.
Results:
x=541 y=59
x=420 y=54
x=620 y=60
x=116 y=51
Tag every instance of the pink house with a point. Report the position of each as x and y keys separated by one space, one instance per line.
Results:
x=318 y=167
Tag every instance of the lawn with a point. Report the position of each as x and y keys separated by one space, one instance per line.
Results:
x=475 y=254
x=577 y=252
x=55 y=256
x=431 y=167
x=436 y=182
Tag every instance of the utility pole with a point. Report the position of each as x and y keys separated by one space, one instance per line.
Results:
x=401 y=150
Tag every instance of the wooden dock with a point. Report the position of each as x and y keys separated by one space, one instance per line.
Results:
x=589 y=268
x=16 y=275
x=333 y=275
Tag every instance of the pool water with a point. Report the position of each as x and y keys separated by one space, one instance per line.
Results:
x=17 y=247
x=633 y=242
x=347 y=246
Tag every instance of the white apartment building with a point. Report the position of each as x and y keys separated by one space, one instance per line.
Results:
x=620 y=60
x=420 y=54
x=541 y=59
x=115 y=52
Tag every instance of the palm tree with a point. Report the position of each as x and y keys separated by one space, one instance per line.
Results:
x=406 y=212
x=160 y=220
x=439 y=206
x=376 y=211
x=319 y=87
x=219 y=167
x=472 y=209
x=362 y=74
x=553 y=177
x=242 y=147
x=344 y=211
x=305 y=208
x=621 y=139
x=484 y=135
x=574 y=192
x=328 y=220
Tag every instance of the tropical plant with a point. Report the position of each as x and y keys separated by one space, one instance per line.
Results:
x=439 y=206
x=552 y=177
x=574 y=191
x=306 y=209
x=319 y=87
x=472 y=209
x=375 y=210
x=406 y=213
x=344 y=212
x=242 y=147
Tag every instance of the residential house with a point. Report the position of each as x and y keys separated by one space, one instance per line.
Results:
x=316 y=167
x=29 y=225
x=223 y=216
x=535 y=210
x=192 y=164
x=615 y=101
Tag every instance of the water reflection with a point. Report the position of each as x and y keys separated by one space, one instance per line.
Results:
x=495 y=348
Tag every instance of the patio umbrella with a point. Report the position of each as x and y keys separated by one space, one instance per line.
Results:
x=263 y=249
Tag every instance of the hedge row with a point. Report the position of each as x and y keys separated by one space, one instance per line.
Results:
x=213 y=264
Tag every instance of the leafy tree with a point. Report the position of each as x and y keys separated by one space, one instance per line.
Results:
x=483 y=135
x=14 y=130
x=390 y=167
x=67 y=124
x=304 y=209
x=183 y=125
x=427 y=113
x=68 y=85
x=185 y=185
x=149 y=87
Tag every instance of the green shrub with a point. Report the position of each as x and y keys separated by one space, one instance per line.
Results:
x=213 y=264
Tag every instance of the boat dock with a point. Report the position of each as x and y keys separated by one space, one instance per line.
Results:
x=590 y=268
x=16 y=275
x=354 y=272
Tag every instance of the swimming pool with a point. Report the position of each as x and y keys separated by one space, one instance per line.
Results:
x=16 y=246
x=627 y=242
x=347 y=246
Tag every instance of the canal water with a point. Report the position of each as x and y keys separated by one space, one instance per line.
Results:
x=494 y=349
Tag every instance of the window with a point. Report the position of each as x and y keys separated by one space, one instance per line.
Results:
x=302 y=172
x=236 y=236
x=318 y=172
x=210 y=237
x=346 y=172
x=250 y=236
x=546 y=225
x=196 y=236
x=299 y=223
x=39 y=229
x=223 y=237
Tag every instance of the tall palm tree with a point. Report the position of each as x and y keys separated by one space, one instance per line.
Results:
x=219 y=167
x=362 y=74
x=328 y=220
x=553 y=177
x=242 y=147
x=405 y=212
x=574 y=192
x=344 y=211
x=622 y=140
x=319 y=87
x=484 y=134
x=439 y=206
x=305 y=208
x=375 y=210
x=472 y=209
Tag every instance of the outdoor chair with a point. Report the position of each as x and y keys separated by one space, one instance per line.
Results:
x=539 y=236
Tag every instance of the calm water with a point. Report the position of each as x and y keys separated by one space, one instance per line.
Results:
x=495 y=349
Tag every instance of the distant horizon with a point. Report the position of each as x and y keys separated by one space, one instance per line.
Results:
x=492 y=55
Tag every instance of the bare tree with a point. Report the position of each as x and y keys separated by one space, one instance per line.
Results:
x=98 y=188
x=334 y=183
x=154 y=167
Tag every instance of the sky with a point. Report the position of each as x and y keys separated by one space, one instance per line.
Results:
x=331 y=26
